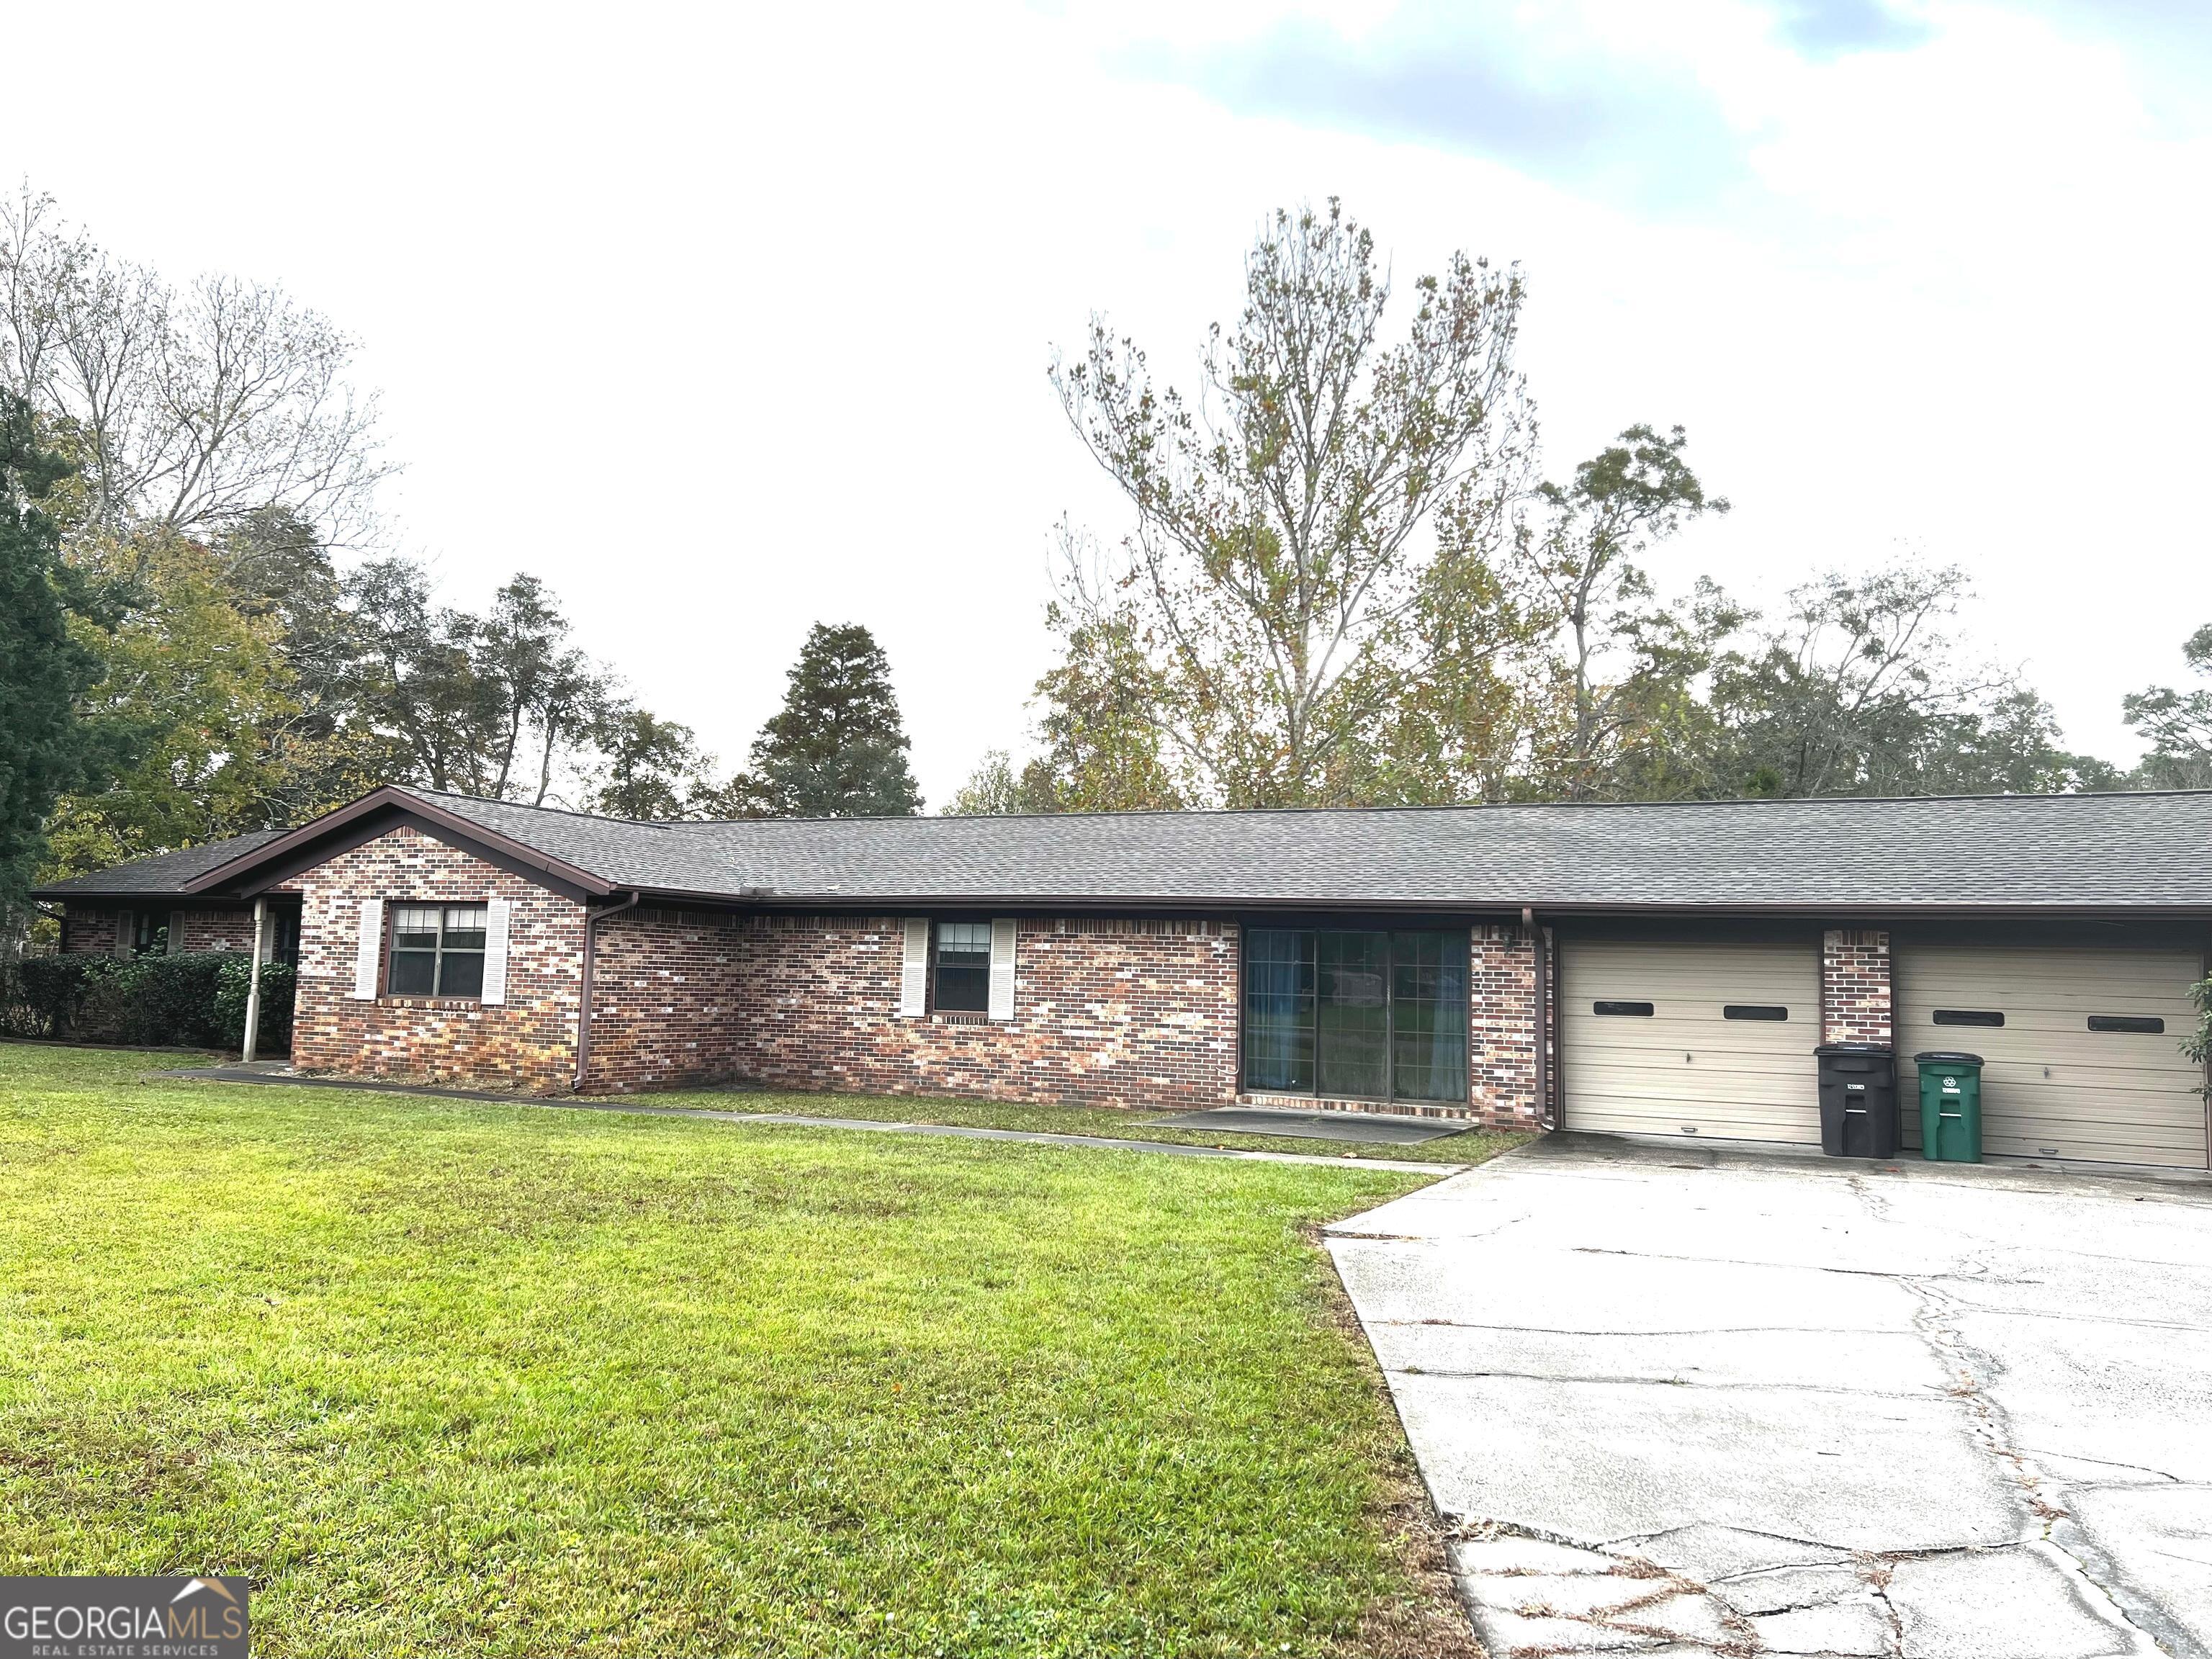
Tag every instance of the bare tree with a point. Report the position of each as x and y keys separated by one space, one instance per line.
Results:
x=187 y=410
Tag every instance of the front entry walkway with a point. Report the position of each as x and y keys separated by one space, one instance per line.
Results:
x=1370 y=1128
x=277 y=1073
x=1677 y=1400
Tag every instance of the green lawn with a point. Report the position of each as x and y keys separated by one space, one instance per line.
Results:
x=455 y=1378
x=1472 y=1146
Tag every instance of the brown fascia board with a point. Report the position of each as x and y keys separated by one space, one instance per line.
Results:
x=361 y=820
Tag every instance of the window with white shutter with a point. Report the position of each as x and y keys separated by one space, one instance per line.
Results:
x=497 y=913
x=369 y=952
x=1002 y=969
x=914 y=969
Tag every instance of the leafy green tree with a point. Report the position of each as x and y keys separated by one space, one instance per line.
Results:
x=415 y=678
x=1860 y=689
x=2178 y=725
x=1105 y=748
x=837 y=748
x=548 y=689
x=652 y=769
x=1628 y=663
x=47 y=744
x=994 y=789
x=1292 y=516
x=207 y=693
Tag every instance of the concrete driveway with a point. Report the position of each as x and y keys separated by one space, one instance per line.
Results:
x=1678 y=1400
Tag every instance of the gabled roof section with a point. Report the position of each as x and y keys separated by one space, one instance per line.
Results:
x=159 y=875
x=2053 y=854
x=382 y=809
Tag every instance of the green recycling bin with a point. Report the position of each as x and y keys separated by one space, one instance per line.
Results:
x=1950 y=1107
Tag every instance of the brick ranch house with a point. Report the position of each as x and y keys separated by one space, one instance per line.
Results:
x=1681 y=960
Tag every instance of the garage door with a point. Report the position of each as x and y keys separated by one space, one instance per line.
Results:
x=1714 y=1041
x=2081 y=1047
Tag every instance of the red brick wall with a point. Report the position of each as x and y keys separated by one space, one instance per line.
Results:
x=1855 y=996
x=92 y=930
x=218 y=930
x=528 y=1042
x=1105 y=1012
x=664 y=996
x=88 y=929
x=1502 y=1029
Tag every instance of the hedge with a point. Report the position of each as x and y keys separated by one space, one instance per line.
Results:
x=195 y=1000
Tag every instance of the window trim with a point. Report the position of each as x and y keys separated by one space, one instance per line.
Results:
x=934 y=1005
x=389 y=954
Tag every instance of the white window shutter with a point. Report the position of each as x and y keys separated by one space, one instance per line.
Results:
x=496 y=912
x=176 y=932
x=1002 y=969
x=914 y=969
x=367 y=959
x=126 y=932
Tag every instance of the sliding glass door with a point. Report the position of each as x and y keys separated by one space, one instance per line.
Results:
x=1356 y=1013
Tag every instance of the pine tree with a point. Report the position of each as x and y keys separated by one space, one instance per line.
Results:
x=837 y=748
x=46 y=745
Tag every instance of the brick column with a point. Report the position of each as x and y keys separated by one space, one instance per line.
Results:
x=1501 y=1058
x=1855 y=997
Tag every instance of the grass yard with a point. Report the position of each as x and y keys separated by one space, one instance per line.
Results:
x=457 y=1377
x=1472 y=1146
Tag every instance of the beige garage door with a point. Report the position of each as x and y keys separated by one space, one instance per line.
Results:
x=1714 y=1041
x=2086 y=1064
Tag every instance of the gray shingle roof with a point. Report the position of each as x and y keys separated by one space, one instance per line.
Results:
x=2035 y=852
x=159 y=874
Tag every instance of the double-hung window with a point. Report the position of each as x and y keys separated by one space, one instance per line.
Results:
x=437 y=951
x=1357 y=1013
x=963 y=967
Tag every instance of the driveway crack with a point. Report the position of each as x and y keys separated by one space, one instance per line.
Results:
x=2044 y=1497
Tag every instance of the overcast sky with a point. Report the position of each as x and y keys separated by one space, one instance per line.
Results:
x=728 y=321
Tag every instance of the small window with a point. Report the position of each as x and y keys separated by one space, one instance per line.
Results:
x=437 y=951
x=1968 y=1017
x=284 y=938
x=963 y=968
x=149 y=934
x=1640 y=1010
x=1753 y=1011
x=2147 y=1024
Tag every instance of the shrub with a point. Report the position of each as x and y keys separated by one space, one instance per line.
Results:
x=278 y=987
x=41 y=994
x=195 y=1000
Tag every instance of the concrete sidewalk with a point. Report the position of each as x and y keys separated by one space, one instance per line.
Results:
x=271 y=1072
x=1677 y=1401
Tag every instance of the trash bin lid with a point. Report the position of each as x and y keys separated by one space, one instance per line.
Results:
x=1853 y=1048
x=1945 y=1057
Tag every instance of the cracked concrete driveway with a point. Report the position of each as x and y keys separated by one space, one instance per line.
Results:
x=1676 y=1400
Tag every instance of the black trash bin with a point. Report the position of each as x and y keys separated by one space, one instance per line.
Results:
x=1858 y=1099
